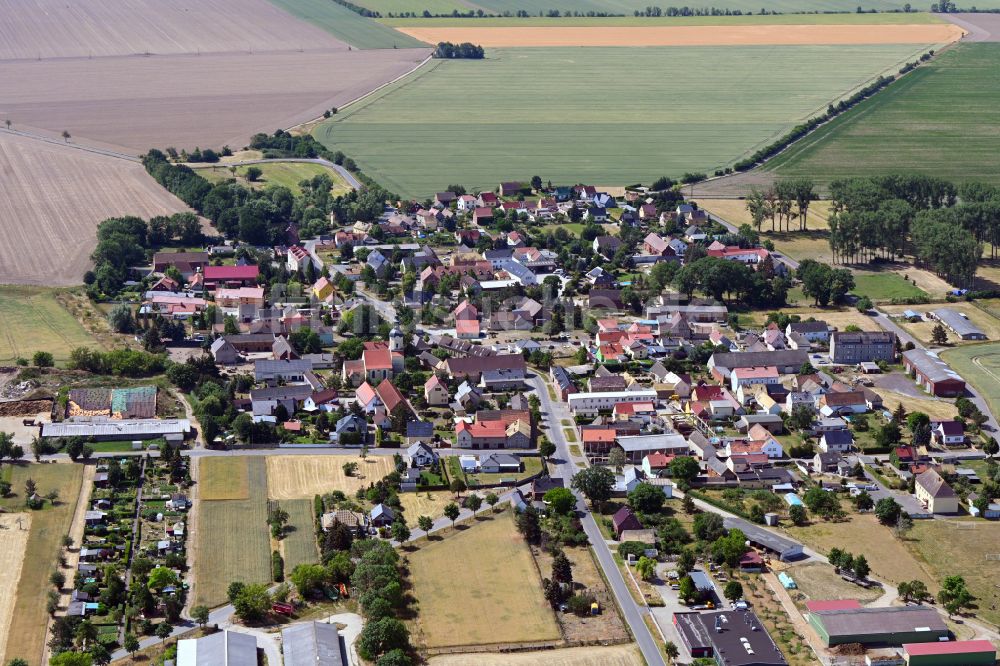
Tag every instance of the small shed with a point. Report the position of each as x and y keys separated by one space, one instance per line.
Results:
x=786 y=581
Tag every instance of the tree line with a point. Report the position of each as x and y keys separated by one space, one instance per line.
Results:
x=784 y=201
x=465 y=50
x=883 y=218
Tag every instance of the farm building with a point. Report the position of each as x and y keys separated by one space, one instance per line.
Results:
x=933 y=374
x=948 y=653
x=589 y=404
x=312 y=644
x=783 y=547
x=732 y=638
x=226 y=648
x=958 y=324
x=103 y=430
x=138 y=402
x=893 y=625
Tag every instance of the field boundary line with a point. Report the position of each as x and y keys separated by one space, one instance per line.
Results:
x=67 y=144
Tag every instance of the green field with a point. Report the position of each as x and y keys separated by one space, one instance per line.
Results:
x=979 y=365
x=939 y=120
x=348 y=26
x=710 y=106
x=386 y=7
x=233 y=541
x=300 y=543
x=885 y=287
x=32 y=320
x=283 y=174
x=628 y=7
x=900 y=18
x=28 y=622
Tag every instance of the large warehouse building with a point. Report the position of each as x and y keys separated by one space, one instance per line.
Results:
x=732 y=638
x=950 y=653
x=894 y=625
x=933 y=374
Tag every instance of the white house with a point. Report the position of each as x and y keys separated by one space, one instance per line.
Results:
x=759 y=375
x=836 y=441
x=589 y=404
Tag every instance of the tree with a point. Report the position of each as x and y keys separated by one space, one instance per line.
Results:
x=954 y=595
x=562 y=569
x=708 y=526
x=382 y=636
x=617 y=459
x=560 y=500
x=120 y=319
x=100 y=654
x=131 y=644
x=887 y=511
x=671 y=650
x=160 y=577
x=473 y=503
x=797 y=514
x=733 y=590
x=42 y=359
x=200 y=615
x=646 y=568
x=917 y=590
x=528 y=525
x=688 y=504
x=458 y=487
x=821 y=502
x=864 y=501
x=252 y=603
x=253 y=174
x=684 y=469
x=687 y=590
x=939 y=335
x=451 y=512
x=646 y=498
x=861 y=568
x=546 y=448
x=491 y=500
x=58 y=579
x=395 y=657
x=595 y=483
x=990 y=447
x=425 y=523
x=903 y=525
x=163 y=630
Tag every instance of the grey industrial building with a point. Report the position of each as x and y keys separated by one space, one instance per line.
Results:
x=958 y=324
x=226 y=648
x=732 y=638
x=893 y=625
x=312 y=644
x=103 y=429
x=783 y=547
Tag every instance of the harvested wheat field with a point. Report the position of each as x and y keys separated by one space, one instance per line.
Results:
x=15 y=540
x=426 y=503
x=54 y=196
x=224 y=478
x=746 y=35
x=137 y=103
x=95 y=28
x=303 y=477
x=616 y=655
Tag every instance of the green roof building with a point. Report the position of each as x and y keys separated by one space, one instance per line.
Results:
x=950 y=653
x=894 y=625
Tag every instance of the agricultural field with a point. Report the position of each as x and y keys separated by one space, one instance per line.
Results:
x=564 y=136
x=418 y=7
x=912 y=18
x=305 y=476
x=963 y=547
x=34 y=321
x=888 y=556
x=233 y=541
x=454 y=600
x=283 y=174
x=121 y=103
x=26 y=631
x=96 y=28
x=299 y=544
x=15 y=528
x=616 y=655
x=630 y=6
x=711 y=35
x=939 y=120
x=55 y=196
x=348 y=26
x=980 y=366
x=224 y=478
x=430 y=503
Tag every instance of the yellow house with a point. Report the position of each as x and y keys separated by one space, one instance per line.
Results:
x=323 y=289
x=934 y=492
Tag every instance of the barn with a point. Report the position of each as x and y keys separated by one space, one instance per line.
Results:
x=933 y=374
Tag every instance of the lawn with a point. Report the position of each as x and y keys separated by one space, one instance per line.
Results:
x=532 y=466
x=940 y=120
x=911 y=18
x=233 y=541
x=884 y=286
x=26 y=635
x=968 y=548
x=863 y=535
x=819 y=581
x=979 y=365
x=493 y=597
x=283 y=174
x=224 y=478
x=348 y=26
x=34 y=321
x=299 y=545
x=564 y=134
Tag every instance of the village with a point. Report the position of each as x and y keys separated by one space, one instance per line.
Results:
x=541 y=351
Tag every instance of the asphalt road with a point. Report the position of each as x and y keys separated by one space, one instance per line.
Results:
x=553 y=414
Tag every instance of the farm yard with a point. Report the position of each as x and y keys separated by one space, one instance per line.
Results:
x=34 y=321
x=980 y=366
x=615 y=655
x=283 y=174
x=349 y=26
x=15 y=527
x=453 y=600
x=566 y=137
x=921 y=330
x=939 y=120
x=26 y=631
x=232 y=542
x=304 y=476
x=55 y=196
x=660 y=35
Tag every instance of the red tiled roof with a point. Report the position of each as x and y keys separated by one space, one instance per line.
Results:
x=658 y=460
x=599 y=435
x=467 y=326
x=365 y=393
x=390 y=395
x=483 y=428
x=378 y=359
x=948 y=647
x=231 y=272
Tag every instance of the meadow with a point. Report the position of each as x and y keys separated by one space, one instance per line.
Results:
x=503 y=585
x=283 y=174
x=350 y=27
x=26 y=635
x=939 y=120
x=224 y=478
x=558 y=127
x=34 y=321
x=299 y=544
x=979 y=365
x=913 y=18
x=233 y=541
